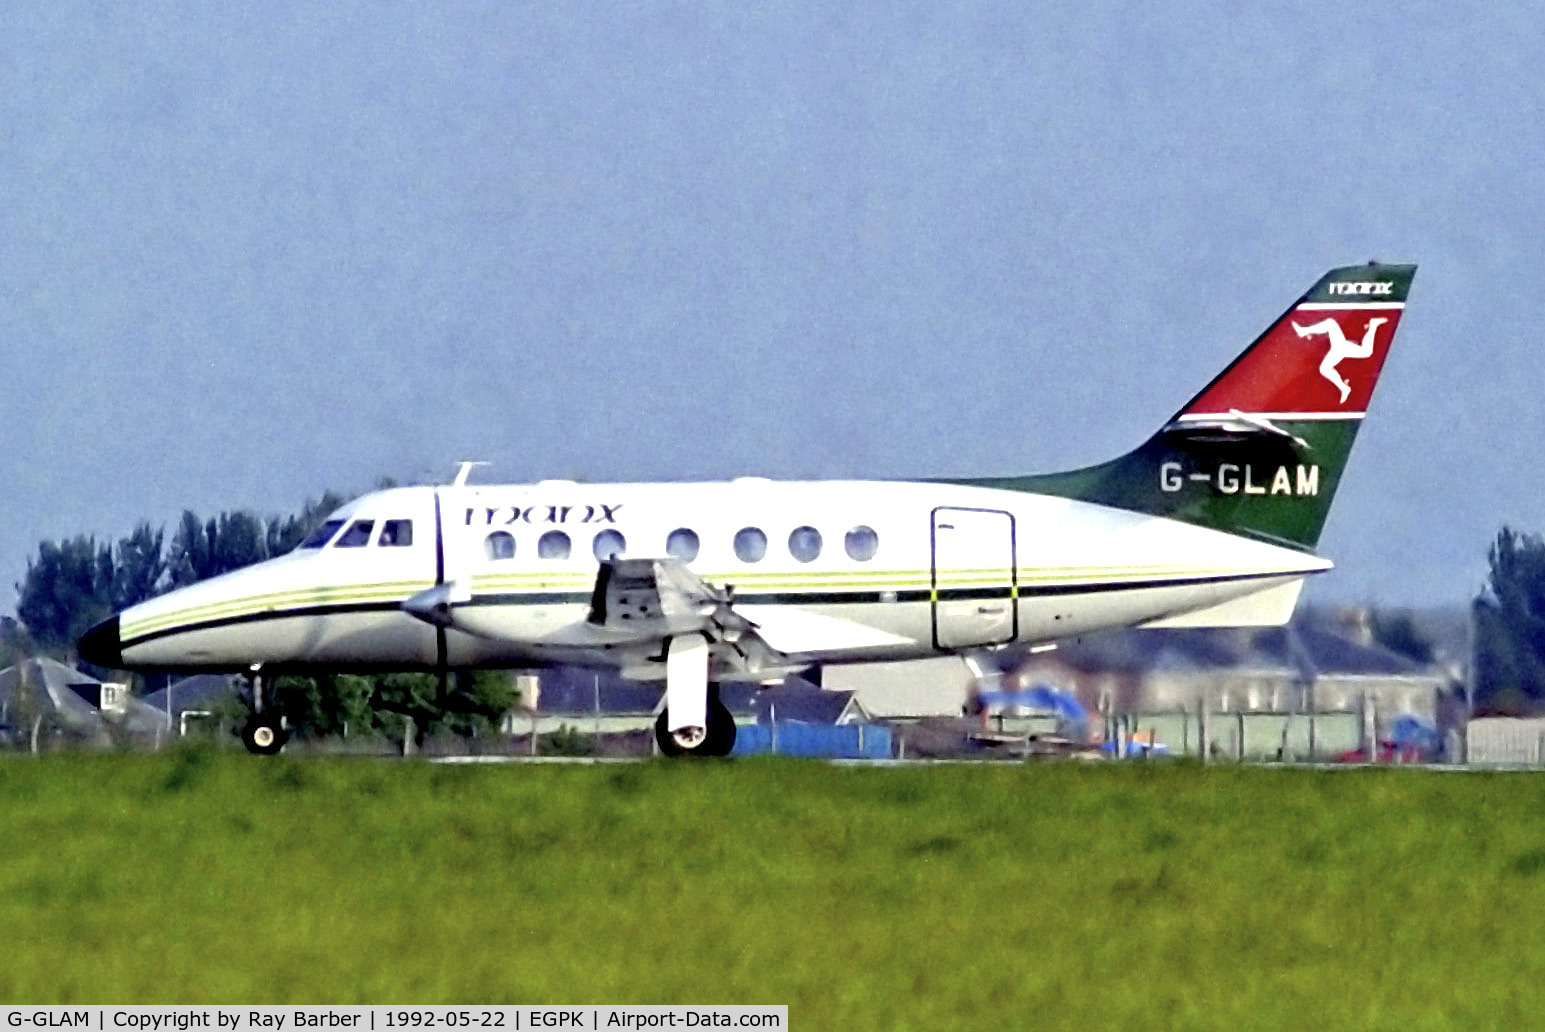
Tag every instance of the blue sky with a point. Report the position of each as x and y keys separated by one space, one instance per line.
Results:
x=248 y=255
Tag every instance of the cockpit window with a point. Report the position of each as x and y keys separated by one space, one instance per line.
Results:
x=322 y=535
x=396 y=534
x=357 y=536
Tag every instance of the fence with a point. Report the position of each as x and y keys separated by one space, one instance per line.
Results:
x=1505 y=742
x=1298 y=737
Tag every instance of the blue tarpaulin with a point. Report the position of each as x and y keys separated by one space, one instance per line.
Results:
x=1041 y=698
x=1412 y=730
x=824 y=741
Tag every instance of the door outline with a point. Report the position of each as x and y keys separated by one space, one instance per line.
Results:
x=1011 y=595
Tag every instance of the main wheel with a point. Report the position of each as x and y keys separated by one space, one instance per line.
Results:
x=687 y=741
x=717 y=739
x=263 y=734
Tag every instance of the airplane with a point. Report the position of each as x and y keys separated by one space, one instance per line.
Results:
x=1213 y=521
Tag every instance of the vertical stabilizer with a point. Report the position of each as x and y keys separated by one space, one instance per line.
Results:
x=1261 y=450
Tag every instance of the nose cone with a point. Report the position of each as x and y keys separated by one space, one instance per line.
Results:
x=101 y=645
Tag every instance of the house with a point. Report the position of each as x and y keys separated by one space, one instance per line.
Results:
x=799 y=702
x=44 y=696
x=1299 y=691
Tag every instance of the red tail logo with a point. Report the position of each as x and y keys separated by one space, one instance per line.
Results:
x=1321 y=359
x=1340 y=348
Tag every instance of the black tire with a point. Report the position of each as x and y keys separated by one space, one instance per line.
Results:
x=721 y=729
x=264 y=735
x=718 y=740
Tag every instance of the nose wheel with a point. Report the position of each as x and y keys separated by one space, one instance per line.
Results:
x=264 y=734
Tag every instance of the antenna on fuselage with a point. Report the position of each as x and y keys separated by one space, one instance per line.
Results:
x=464 y=471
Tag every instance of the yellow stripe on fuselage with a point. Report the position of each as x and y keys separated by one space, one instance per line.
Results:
x=749 y=582
x=276 y=601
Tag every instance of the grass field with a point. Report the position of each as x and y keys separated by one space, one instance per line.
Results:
x=1051 y=896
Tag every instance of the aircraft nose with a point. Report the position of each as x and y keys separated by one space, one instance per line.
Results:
x=101 y=645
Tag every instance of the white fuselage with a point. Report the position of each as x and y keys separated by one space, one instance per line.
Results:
x=846 y=571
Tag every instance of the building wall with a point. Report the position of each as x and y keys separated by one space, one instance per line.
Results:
x=1389 y=696
x=913 y=689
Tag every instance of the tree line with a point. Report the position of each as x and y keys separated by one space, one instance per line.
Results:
x=73 y=583
x=76 y=582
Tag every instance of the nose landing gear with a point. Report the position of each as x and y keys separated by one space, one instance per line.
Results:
x=264 y=732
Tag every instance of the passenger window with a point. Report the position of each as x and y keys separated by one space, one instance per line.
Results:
x=608 y=544
x=499 y=545
x=750 y=545
x=862 y=543
x=553 y=545
x=683 y=544
x=357 y=536
x=396 y=534
x=805 y=543
x=322 y=535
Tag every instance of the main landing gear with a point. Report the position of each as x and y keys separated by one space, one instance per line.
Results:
x=694 y=721
x=716 y=737
x=264 y=732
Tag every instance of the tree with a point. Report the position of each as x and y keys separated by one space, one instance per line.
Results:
x=328 y=704
x=284 y=534
x=471 y=702
x=1510 y=627
x=189 y=560
x=139 y=567
x=67 y=588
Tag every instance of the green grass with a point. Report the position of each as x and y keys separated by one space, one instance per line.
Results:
x=941 y=897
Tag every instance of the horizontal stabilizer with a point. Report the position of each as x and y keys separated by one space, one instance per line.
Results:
x=1270 y=608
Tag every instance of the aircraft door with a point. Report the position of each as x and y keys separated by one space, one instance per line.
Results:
x=459 y=550
x=974 y=581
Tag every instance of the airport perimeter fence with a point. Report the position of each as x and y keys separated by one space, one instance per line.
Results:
x=1267 y=737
